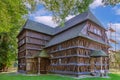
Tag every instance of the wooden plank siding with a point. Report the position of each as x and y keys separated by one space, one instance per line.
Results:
x=94 y=31
x=30 y=43
x=73 y=56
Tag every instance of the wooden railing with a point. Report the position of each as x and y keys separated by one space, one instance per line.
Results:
x=72 y=48
x=85 y=56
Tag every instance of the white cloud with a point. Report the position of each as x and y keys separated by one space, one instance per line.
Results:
x=117 y=10
x=40 y=12
x=45 y=17
x=45 y=20
x=116 y=26
x=48 y=20
x=69 y=17
x=96 y=3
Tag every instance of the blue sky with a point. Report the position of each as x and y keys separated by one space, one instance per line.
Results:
x=105 y=14
x=109 y=15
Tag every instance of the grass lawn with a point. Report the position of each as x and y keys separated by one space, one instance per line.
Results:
x=13 y=76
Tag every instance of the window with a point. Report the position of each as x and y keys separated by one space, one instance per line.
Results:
x=97 y=31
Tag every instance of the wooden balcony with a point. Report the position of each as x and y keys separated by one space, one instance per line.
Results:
x=85 y=56
x=71 y=48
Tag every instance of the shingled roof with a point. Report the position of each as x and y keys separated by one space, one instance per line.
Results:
x=98 y=53
x=72 y=33
x=67 y=33
x=39 y=27
x=78 y=19
x=76 y=30
x=43 y=53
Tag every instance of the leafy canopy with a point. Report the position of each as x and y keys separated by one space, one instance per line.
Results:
x=11 y=12
x=60 y=9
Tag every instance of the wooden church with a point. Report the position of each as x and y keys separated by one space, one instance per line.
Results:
x=78 y=48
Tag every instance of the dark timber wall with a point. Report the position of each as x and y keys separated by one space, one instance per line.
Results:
x=71 y=57
x=30 y=43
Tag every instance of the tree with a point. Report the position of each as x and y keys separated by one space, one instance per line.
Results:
x=11 y=12
x=60 y=9
x=117 y=59
x=5 y=55
x=111 y=2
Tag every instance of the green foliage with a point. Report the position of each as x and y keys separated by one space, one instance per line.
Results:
x=111 y=2
x=62 y=8
x=4 y=49
x=117 y=57
x=11 y=12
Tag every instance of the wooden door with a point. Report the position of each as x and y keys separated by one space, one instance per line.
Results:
x=44 y=64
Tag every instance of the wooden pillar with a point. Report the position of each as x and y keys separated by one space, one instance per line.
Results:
x=101 y=72
x=101 y=63
x=38 y=65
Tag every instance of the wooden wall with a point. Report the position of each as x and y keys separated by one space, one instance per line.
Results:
x=21 y=52
x=72 y=57
x=95 y=31
x=30 y=43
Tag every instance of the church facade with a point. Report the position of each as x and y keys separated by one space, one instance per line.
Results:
x=78 y=48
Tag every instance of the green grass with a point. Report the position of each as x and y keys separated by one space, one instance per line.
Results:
x=13 y=76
